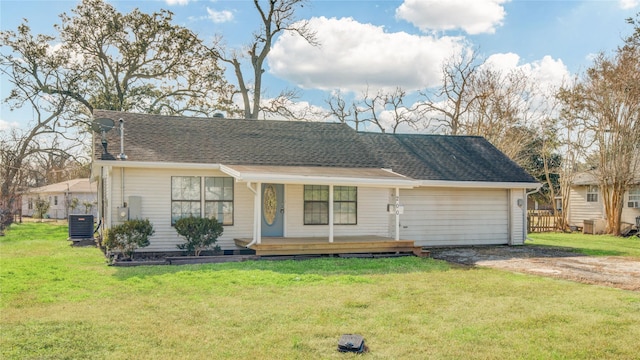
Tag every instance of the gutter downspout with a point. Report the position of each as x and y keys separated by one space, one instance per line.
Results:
x=255 y=215
x=122 y=187
x=331 y=213
x=397 y=226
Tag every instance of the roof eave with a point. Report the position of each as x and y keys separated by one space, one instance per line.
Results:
x=296 y=179
x=155 y=165
x=480 y=184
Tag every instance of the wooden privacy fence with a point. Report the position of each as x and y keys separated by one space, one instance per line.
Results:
x=540 y=221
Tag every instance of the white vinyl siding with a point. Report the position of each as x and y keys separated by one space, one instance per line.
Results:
x=432 y=216
x=448 y=216
x=629 y=214
x=580 y=209
x=61 y=208
x=517 y=216
x=154 y=188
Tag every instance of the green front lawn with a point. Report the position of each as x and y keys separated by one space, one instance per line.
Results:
x=60 y=302
x=597 y=245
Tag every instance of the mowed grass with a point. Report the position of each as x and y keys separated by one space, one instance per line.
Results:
x=61 y=302
x=597 y=245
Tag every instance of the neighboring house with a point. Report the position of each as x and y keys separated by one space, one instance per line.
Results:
x=77 y=196
x=585 y=204
x=301 y=180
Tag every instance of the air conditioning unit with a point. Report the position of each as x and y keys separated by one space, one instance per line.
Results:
x=634 y=204
x=80 y=227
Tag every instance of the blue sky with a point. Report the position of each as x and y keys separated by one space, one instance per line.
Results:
x=383 y=44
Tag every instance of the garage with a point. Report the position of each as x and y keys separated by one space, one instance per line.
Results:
x=451 y=217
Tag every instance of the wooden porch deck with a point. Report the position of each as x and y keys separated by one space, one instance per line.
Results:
x=271 y=246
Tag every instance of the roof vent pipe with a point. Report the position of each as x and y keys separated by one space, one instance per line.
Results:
x=122 y=156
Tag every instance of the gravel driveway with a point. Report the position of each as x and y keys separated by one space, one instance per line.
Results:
x=614 y=271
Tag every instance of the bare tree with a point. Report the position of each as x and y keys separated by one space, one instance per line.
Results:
x=286 y=105
x=347 y=113
x=18 y=147
x=32 y=73
x=385 y=110
x=276 y=17
x=504 y=111
x=453 y=100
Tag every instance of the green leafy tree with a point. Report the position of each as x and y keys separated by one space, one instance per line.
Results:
x=129 y=236
x=138 y=62
x=200 y=233
x=605 y=105
x=99 y=58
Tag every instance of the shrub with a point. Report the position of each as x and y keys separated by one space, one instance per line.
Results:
x=41 y=206
x=200 y=233
x=129 y=236
x=6 y=218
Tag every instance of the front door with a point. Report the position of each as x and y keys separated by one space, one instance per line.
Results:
x=273 y=210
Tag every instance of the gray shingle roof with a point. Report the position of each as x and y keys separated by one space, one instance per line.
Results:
x=234 y=141
x=155 y=138
x=449 y=158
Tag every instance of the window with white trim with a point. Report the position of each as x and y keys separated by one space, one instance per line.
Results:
x=592 y=193
x=218 y=199
x=316 y=205
x=634 y=194
x=185 y=197
x=195 y=195
x=345 y=205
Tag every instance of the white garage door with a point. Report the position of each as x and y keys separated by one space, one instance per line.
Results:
x=441 y=216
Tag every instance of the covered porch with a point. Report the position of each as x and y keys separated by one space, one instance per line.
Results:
x=274 y=246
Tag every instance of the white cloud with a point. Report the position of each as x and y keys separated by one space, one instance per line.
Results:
x=503 y=61
x=5 y=125
x=219 y=16
x=547 y=72
x=177 y=2
x=353 y=56
x=474 y=17
x=73 y=57
x=628 y=4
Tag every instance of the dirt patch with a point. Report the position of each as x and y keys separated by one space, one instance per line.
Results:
x=614 y=271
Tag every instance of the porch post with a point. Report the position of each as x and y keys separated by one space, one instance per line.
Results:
x=397 y=214
x=257 y=218
x=330 y=213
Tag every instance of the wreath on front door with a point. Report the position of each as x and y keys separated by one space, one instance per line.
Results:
x=270 y=204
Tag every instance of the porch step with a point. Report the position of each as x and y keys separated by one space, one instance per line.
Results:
x=319 y=246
